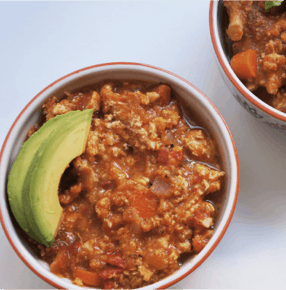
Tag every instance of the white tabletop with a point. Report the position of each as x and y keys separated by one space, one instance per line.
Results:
x=42 y=41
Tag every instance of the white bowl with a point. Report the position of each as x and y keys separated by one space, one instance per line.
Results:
x=197 y=101
x=257 y=108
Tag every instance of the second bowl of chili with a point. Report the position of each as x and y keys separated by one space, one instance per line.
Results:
x=248 y=43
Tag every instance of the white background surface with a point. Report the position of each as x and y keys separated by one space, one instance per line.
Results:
x=42 y=41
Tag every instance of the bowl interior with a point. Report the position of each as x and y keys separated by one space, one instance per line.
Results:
x=222 y=22
x=192 y=97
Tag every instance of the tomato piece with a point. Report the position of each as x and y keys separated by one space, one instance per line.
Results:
x=109 y=273
x=170 y=157
x=165 y=94
x=61 y=262
x=74 y=248
x=145 y=204
x=115 y=260
x=176 y=156
x=108 y=284
x=87 y=277
x=163 y=157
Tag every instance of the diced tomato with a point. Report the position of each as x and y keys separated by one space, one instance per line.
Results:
x=115 y=260
x=108 y=284
x=87 y=277
x=109 y=273
x=176 y=156
x=165 y=93
x=74 y=248
x=163 y=157
x=197 y=179
x=145 y=204
x=170 y=157
x=61 y=262
x=149 y=195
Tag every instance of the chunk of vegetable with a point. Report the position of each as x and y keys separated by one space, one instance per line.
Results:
x=108 y=284
x=87 y=277
x=61 y=262
x=109 y=273
x=145 y=204
x=115 y=260
x=160 y=187
x=244 y=64
x=163 y=157
x=165 y=94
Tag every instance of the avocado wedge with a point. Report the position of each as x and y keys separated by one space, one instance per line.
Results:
x=24 y=197
x=22 y=167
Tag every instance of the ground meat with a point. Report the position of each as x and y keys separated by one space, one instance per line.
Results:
x=135 y=200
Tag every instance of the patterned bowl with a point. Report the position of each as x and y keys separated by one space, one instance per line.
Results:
x=257 y=108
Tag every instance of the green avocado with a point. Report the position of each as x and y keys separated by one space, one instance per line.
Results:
x=35 y=175
x=22 y=167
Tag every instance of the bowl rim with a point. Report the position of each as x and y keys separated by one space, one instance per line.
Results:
x=219 y=115
x=229 y=72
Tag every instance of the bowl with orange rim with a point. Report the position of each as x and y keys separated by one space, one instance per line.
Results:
x=230 y=68
x=118 y=71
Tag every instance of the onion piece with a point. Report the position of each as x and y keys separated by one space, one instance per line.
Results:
x=160 y=187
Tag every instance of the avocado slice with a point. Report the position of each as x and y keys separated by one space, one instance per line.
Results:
x=21 y=173
x=42 y=207
x=22 y=168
